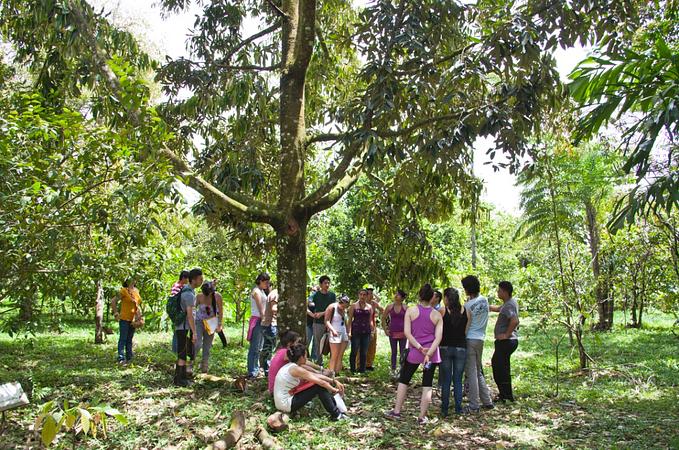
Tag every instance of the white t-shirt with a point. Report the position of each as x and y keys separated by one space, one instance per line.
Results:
x=281 y=388
x=254 y=311
x=478 y=308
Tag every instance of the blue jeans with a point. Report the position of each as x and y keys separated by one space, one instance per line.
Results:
x=359 y=344
x=268 y=347
x=451 y=369
x=125 y=340
x=255 y=349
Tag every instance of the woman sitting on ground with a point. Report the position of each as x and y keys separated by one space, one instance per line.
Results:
x=296 y=386
x=424 y=329
x=286 y=340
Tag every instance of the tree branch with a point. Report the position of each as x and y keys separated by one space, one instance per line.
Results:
x=250 y=67
x=235 y=203
x=249 y=40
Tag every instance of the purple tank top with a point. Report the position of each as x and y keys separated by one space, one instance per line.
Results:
x=424 y=332
x=361 y=322
x=397 y=320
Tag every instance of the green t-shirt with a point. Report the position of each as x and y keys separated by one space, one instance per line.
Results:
x=321 y=303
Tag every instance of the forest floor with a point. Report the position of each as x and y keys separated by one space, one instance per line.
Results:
x=630 y=399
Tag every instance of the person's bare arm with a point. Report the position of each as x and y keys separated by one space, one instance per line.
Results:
x=513 y=323
x=495 y=308
x=300 y=372
x=114 y=306
x=373 y=322
x=437 y=338
x=469 y=320
x=220 y=306
x=408 y=331
x=350 y=319
x=328 y=319
x=192 y=323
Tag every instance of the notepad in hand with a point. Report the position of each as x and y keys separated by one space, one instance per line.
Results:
x=211 y=325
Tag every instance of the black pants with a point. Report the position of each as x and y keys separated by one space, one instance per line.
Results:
x=302 y=398
x=501 y=366
x=184 y=344
x=359 y=343
x=409 y=369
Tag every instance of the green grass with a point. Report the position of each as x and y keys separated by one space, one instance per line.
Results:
x=629 y=400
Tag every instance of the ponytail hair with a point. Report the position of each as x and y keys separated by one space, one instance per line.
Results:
x=453 y=305
x=426 y=293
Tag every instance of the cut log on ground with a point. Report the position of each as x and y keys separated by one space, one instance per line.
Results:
x=264 y=438
x=234 y=434
x=278 y=422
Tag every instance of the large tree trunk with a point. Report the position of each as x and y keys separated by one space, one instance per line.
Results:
x=298 y=35
x=291 y=269
x=99 y=315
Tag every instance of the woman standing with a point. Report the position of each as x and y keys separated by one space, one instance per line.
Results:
x=394 y=320
x=453 y=349
x=360 y=327
x=209 y=306
x=424 y=329
x=338 y=337
x=130 y=306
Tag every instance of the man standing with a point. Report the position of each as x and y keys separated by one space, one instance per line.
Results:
x=184 y=343
x=258 y=299
x=374 y=301
x=321 y=299
x=176 y=287
x=506 y=340
x=477 y=305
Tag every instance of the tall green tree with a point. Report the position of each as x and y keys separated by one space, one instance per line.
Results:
x=291 y=116
x=636 y=88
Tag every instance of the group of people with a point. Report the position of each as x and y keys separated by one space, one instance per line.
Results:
x=439 y=331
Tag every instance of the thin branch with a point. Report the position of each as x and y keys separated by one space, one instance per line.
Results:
x=250 y=67
x=249 y=40
x=278 y=10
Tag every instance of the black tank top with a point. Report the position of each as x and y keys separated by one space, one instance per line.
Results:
x=453 y=330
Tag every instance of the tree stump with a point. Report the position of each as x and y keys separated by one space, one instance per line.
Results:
x=233 y=435
x=278 y=422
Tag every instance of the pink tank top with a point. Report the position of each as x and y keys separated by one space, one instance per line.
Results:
x=424 y=332
x=397 y=320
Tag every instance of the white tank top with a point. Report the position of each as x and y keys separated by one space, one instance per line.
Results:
x=281 y=388
x=337 y=321
x=253 y=304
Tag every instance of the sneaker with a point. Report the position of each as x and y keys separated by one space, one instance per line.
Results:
x=470 y=410
x=422 y=420
x=392 y=415
x=491 y=406
x=342 y=416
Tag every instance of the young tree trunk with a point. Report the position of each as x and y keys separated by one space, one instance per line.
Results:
x=292 y=278
x=601 y=295
x=557 y=238
x=99 y=315
x=473 y=242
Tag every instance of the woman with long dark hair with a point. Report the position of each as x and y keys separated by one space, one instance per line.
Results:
x=453 y=349
x=424 y=329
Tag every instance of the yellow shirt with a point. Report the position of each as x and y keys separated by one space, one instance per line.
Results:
x=129 y=301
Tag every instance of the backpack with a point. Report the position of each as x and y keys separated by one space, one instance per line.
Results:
x=174 y=310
